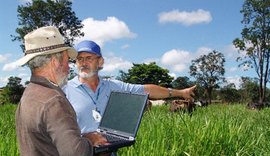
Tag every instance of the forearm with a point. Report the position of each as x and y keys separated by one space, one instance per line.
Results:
x=158 y=92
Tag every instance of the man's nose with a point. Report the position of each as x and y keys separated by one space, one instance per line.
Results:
x=83 y=62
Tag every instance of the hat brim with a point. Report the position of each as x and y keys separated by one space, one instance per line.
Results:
x=72 y=53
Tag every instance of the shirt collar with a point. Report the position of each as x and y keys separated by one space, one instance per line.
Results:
x=45 y=82
x=76 y=82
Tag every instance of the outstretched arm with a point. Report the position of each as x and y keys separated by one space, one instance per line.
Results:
x=158 y=92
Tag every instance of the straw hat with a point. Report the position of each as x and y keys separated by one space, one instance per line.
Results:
x=44 y=41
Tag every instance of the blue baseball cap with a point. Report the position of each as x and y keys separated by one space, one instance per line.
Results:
x=88 y=46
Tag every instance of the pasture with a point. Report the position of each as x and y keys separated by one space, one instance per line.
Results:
x=214 y=130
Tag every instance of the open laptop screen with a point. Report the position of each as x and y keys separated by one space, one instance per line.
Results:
x=123 y=112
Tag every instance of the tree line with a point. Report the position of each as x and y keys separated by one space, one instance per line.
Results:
x=207 y=70
x=152 y=73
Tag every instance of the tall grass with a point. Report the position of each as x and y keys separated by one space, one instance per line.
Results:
x=214 y=130
x=8 y=143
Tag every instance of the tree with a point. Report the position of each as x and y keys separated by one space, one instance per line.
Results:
x=182 y=82
x=249 y=89
x=50 y=12
x=13 y=91
x=146 y=74
x=209 y=71
x=230 y=94
x=255 y=40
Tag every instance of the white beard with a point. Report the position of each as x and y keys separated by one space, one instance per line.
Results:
x=87 y=75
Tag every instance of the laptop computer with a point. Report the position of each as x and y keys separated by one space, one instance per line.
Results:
x=121 y=120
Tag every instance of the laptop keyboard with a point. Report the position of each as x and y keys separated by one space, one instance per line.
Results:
x=113 y=139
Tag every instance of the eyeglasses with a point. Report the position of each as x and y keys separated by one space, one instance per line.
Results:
x=86 y=59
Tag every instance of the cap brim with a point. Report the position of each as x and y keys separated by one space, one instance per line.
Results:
x=92 y=52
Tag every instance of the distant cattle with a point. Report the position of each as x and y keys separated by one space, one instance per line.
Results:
x=186 y=105
x=201 y=103
x=182 y=105
x=177 y=105
x=157 y=102
x=257 y=105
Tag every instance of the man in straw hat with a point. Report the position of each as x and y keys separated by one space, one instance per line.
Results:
x=45 y=120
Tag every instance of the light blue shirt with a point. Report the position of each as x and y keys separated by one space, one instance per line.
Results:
x=84 y=100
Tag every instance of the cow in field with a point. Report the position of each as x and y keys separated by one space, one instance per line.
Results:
x=182 y=105
x=186 y=105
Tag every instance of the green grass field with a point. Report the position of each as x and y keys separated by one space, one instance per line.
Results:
x=214 y=130
x=8 y=142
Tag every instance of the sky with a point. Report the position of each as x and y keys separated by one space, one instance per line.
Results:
x=171 y=33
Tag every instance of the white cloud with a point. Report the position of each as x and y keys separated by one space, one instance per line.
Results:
x=185 y=18
x=25 y=1
x=232 y=69
x=113 y=64
x=179 y=67
x=103 y=31
x=234 y=79
x=202 y=51
x=173 y=75
x=4 y=58
x=125 y=46
x=175 y=56
x=179 y=60
x=231 y=52
x=10 y=66
x=176 y=59
x=3 y=81
x=25 y=77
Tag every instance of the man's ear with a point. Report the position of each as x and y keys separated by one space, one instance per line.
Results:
x=54 y=61
x=100 y=62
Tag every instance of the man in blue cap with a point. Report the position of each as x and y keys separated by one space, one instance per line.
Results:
x=88 y=92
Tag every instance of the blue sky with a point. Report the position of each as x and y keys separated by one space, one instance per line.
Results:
x=169 y=32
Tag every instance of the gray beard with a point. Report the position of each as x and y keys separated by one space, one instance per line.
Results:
x=87 y=75
x=63 y=82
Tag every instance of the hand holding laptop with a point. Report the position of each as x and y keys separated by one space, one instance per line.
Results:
x=97 y=139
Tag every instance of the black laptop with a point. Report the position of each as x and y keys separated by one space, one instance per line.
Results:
x=121 y=120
